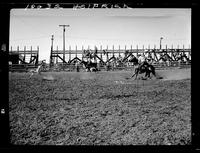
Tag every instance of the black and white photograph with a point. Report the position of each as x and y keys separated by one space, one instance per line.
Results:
x=99 y=76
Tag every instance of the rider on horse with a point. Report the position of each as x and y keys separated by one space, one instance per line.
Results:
x=142 y=61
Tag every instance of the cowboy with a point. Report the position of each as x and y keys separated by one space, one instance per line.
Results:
x=142 y=60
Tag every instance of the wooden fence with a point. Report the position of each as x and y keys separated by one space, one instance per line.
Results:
x=107 y=55
x=24 y=56
x=106 y=58
x=158 y=66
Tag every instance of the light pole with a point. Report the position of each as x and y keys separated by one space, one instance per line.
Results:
x=51 y=60
x=64 y=25
x=160 y=42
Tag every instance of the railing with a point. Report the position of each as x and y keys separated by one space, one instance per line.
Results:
x=20 y=67
x=173 y=64
x=73 y=67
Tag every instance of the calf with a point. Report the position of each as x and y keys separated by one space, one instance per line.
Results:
x=35 y=70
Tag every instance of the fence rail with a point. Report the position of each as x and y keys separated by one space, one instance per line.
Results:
x=158 y=66
x=21 y=67
x=72 y=67
x=106 y=55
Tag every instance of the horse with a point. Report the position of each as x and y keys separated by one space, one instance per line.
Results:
x=89 y=66
x=147 y=69
x=142 y=68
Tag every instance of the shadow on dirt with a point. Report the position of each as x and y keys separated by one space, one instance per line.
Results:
x=115 y=96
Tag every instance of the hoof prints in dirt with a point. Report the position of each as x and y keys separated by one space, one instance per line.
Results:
x=82 y=112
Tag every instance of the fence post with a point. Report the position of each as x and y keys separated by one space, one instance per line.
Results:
x=113 y=51
x=63 y=55
x=149 y=53
x=107 y=53
x=82 y=52
x=24 y=54
x=113 y=64
x=95 y=53
x=31 y=55
x=76 y=50
x=38 y=54
x=172 y=52
x=143 y=49
x=70 y=53
x=101 y=52
x=119 y=50
x=57 y=55
x=155 y=55
x=189 y=53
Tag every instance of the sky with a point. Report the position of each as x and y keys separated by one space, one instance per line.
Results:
x=99 y=27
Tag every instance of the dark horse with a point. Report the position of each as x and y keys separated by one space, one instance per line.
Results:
x=89 y=66
x=142 y=68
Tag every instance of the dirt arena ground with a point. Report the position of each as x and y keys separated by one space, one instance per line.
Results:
x=104 y=108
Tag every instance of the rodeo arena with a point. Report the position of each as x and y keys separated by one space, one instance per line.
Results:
x=136 y=95
x=100 y=60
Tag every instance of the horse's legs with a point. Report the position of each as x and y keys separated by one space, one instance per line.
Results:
x=147 y=74
x=31 y=74
x=136 y=72
x=136 y=76
x=133 y=75
x=153 y=71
